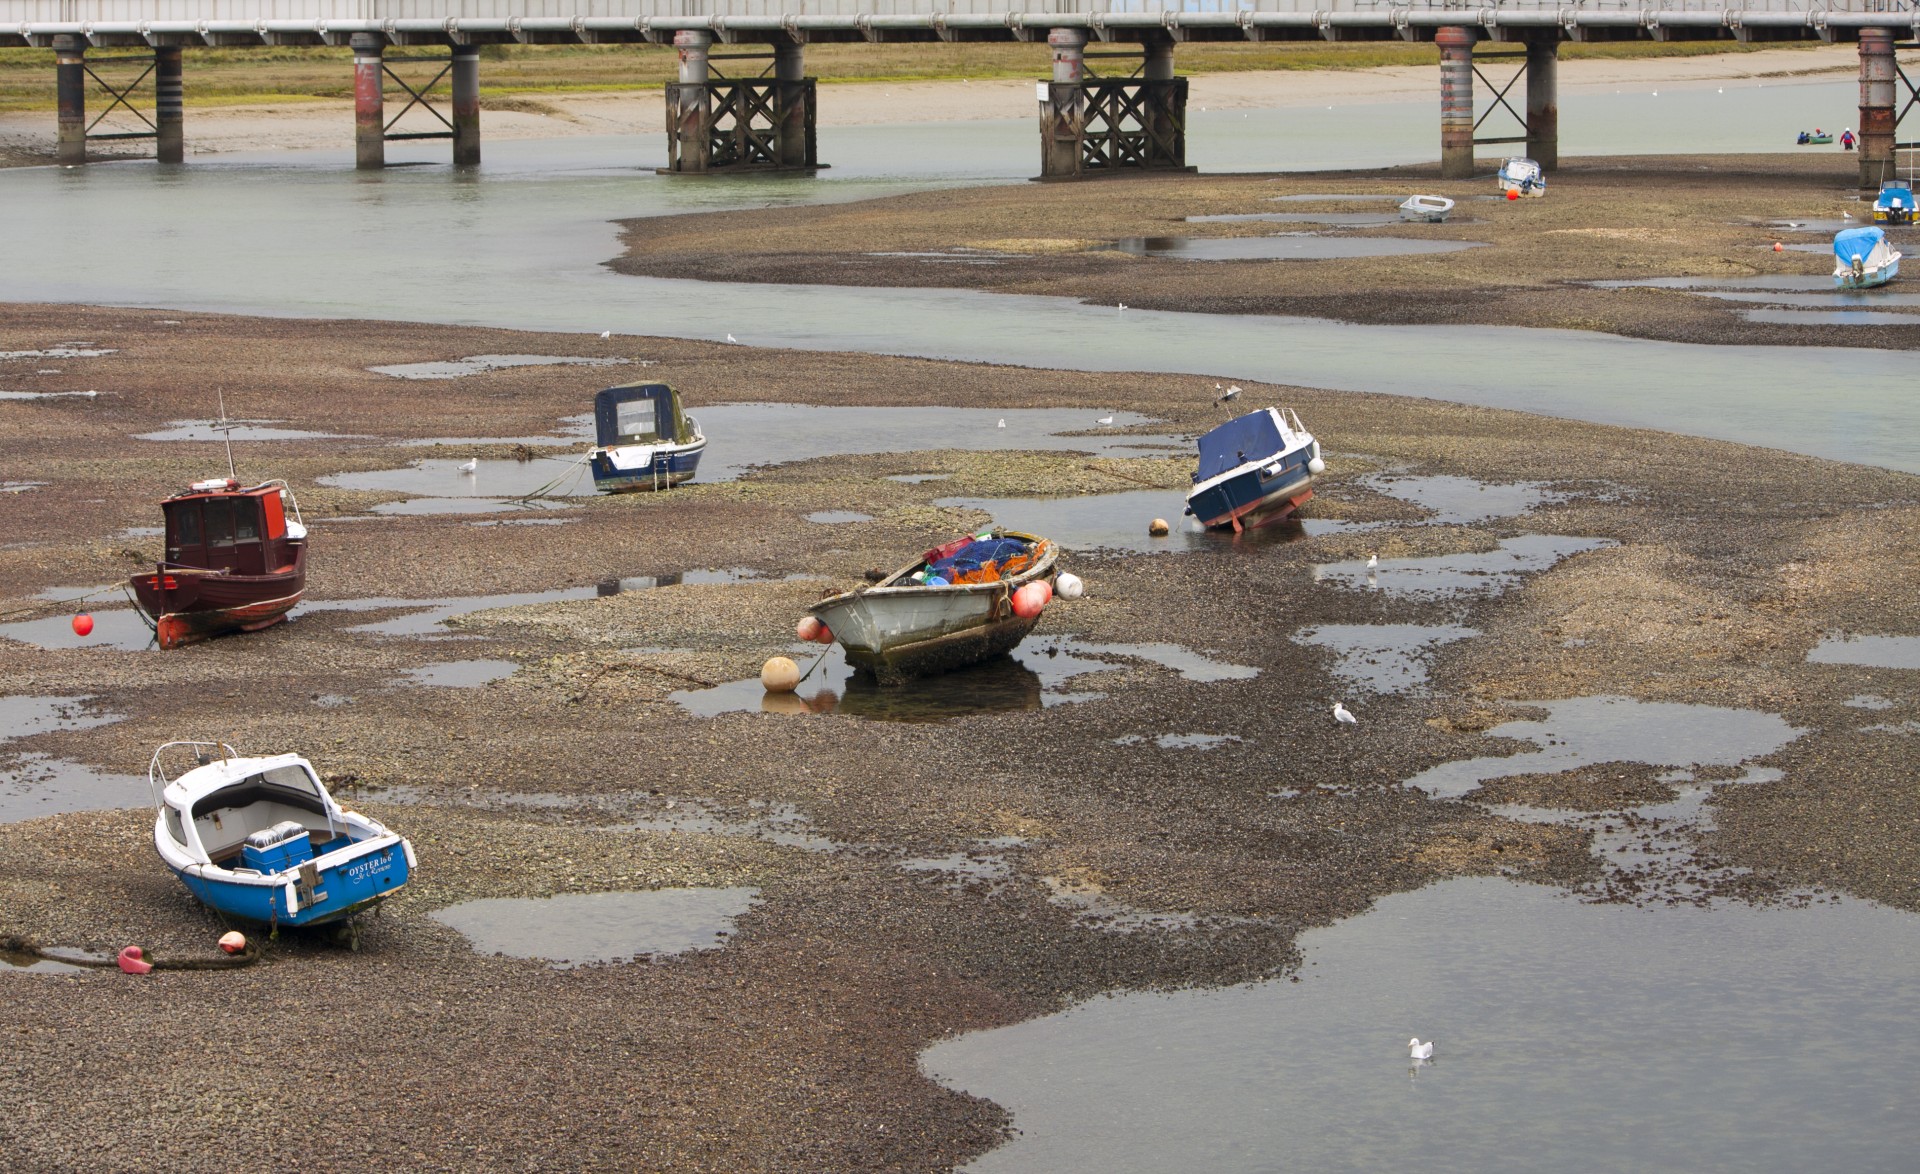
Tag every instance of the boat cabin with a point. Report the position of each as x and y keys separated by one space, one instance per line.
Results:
x=1256 y=436
x=218 y=526
x=259 y=815
x=640 y=413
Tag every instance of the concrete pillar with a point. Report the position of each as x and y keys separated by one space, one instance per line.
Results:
x=70 y=82
x=466 y=106
x=1543 y=102
x=169 y=101
x=791 y=102
x=1456 y=101
x=1166 y=109
x=689 y=144
x=1876 y=107
x=369 y=102
x=1063 y=119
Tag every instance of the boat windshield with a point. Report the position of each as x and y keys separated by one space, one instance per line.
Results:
x=289 y=784
x=639 y=413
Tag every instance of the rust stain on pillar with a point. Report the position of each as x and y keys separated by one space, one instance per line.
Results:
x=1877 y=121
x=1456 y=101
x=689 y=131
x=466 y=105
x=369 y=112
x=70 y=80
x=1543 y=102
x=1063 y=114
x=169 y=106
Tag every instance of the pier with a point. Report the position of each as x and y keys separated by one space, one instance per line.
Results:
x=1111 y=100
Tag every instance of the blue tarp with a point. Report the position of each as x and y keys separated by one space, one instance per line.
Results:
x=1895 y=195
x=1857 y=242
x=1250 y=437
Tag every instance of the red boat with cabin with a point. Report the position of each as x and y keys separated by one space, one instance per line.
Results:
x=235 y=562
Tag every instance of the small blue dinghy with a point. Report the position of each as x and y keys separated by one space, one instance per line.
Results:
x=1258 y=467
x=645 y=440
x=261 y=840
x=1863 y=259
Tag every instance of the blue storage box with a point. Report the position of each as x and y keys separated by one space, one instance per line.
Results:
x=288 y=853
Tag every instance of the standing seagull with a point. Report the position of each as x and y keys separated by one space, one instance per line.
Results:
x=732 y=339
x=1106 y=419
x=1418 y=1050
x=472 y=464
x=1002 y=423
x=1342 y=714
x=1373 y=562
x=606 y=334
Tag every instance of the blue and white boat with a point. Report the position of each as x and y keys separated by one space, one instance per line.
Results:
x=1257 y=467
x=645 y=440
x=1524 y=176
x=1894 y=205
x=1863 y=259
x=261 y=840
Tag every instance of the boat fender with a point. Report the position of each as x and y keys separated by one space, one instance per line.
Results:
x=1316 y=466
x=1030 y=600
x=1068 y=585
x=133 y=960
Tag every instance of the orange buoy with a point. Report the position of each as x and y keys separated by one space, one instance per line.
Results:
x=808 y=629
x=824 y=635
x=1030 y=599
x=1512 y=194
x=82 y=624
x=133 y=961
x=1159 y=528
x=233 y=941
x=1778 y=247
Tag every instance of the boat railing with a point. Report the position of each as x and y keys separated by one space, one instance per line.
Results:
x=287 y=492
x=1293 y=423
x=157 y=773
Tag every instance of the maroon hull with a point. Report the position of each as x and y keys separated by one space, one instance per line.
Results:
x=234 y=564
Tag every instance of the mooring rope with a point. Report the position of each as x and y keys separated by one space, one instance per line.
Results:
x=246 y=957
x=572 y=470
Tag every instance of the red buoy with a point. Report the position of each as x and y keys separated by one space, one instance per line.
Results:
x=1512 y=194
x=1778 y=247
x=1028 y=600
x=82 y=624
x=133 y=961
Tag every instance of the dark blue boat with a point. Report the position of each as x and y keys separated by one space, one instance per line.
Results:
x=644 y=439
x=1256 y=468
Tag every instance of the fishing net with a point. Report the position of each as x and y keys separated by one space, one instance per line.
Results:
x=983 y=560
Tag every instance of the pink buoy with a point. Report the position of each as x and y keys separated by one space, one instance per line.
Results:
x=233 y=941
x=824 y=635
x=82 y=624
x=1029 y=600
x=133 y=961
x=808 y=628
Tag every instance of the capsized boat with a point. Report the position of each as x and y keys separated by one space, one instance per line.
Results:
x=1523 y=176
x=1257 y=467
x=952 y=607
x=1431 y=209
x=1894 y=205
x=261 y=840
x=645 y=439
x=235 y=562
x=1863 y=259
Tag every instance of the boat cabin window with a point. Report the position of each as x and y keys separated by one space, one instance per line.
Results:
x=637 y=420
x=246 y=520
x=174 y=829
x=219 y=521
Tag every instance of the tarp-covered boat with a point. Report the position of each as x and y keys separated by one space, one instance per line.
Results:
x=235 y=562
x=260 y=839
x=1523 y=176
x=1863 y=259
x=644 y=439
x=953 y=607
x=1257 y=467
x=1894 y=205
x=1430 y=209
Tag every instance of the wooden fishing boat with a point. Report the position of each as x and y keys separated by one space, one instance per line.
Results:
x=235 y=562
x=645 y=439
x=1863 y=259
x=1255 y=468
x=951 y=607
x=1427 y=209
x=1523 y=176
x=261 y=840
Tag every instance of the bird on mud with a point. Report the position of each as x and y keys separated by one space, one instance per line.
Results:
x=732 y=339
x=1344 y=715
x=1419 y=1051
x=606 y=334
x=472 y=464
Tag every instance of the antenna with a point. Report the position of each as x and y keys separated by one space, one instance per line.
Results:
x=226 y=432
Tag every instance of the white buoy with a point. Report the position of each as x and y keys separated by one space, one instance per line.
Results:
x=1068 y=585
x=1418 y=1050
x=779 y=675
x=1342 y=714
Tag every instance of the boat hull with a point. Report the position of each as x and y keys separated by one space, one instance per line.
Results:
x=895 y=634
x=343 y=884
x=186 y=605
x=662 y=467
x=1256 y=496
x=1867 y=278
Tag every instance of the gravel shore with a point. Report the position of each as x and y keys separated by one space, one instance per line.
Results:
x=1707 y=573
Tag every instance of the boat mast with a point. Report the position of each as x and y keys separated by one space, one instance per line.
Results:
x=226 y=432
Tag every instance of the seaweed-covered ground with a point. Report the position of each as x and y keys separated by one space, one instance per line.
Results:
x=914 y=879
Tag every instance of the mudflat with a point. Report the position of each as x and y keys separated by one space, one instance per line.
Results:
x=1030 y=847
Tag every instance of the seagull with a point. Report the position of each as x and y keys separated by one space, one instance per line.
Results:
x=470 y=466
x=1342 y=714
x=606 y=334
x=1123 y=307
x=1373 y=562
x=732 y=339
x=1106 y=419
x=1002 y=423
x=1418 y=1050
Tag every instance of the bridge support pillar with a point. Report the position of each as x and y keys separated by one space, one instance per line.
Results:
x=1456 y=101
x=721 y=125
x=70 y=82
x=466 y=105
x=794 y=143
x=1063 y=114
x=169 y=107
x=1543 y=101
x=1091 y=126
x=1878 y=121
x=369 y=110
